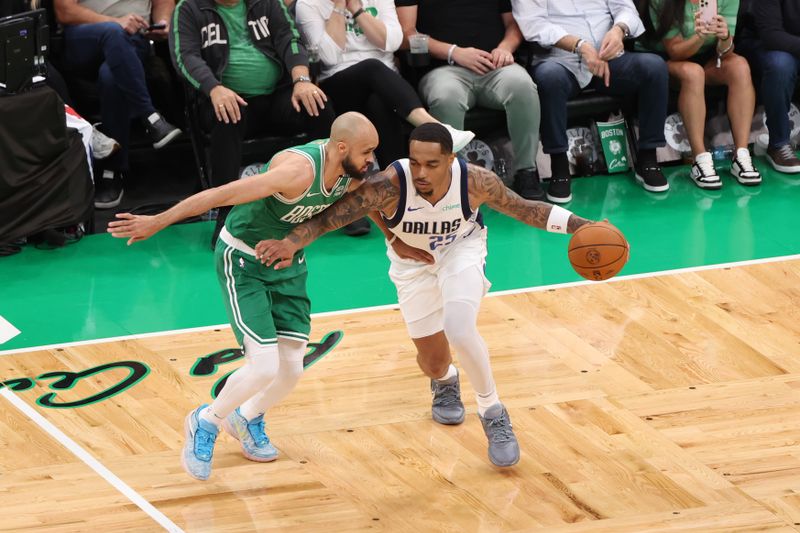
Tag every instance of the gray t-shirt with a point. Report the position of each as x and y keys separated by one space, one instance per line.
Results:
x=119 y=8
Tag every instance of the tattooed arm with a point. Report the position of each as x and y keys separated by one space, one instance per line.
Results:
x=379 y=193
x=486 y=188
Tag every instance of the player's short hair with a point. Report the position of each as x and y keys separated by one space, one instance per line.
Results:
x=433 y=132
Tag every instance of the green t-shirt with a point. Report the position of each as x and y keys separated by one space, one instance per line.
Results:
x=249 y=72
x=726 y=8
x=275 y=216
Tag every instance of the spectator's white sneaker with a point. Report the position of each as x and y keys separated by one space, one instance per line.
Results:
x=102 y=145
x=461 y=138
x=743 y=169
x=703 y=172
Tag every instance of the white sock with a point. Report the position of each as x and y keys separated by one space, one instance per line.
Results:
x=153 y=118
x=289 y=373
x=257 y=373
x=451 y=373
x=211 y=417
x=485 y=401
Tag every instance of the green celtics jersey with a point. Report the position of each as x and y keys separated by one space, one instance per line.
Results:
x=275 y=216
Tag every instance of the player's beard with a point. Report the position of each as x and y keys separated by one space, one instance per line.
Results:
x=351 y=170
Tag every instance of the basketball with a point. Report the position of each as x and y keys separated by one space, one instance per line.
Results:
x=598 y=251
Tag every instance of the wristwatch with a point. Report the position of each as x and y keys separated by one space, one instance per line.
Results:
x=626 y=32
x=301 y=78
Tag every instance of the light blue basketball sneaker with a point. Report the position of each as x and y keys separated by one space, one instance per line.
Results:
x=251 y=435
x=199 y=446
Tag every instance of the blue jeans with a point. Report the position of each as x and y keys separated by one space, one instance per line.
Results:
x=778 y=77
x=117 y=58
x=644 y=75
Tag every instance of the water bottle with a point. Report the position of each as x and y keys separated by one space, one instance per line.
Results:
x=722 y=153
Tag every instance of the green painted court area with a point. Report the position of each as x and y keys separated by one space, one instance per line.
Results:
x=99 y=287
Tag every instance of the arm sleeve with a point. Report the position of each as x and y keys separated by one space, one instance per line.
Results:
x=394 y=32
x=312 y=17
x=531 y=16
x=185 y=45
x=769 y=23
x=288 y=45
x=625 y=12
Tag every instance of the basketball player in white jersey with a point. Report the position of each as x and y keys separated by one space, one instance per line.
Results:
x=428 y=207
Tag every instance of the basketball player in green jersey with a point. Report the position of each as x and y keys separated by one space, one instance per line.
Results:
x=268 y=309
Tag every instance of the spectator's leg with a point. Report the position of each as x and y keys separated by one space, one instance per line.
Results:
x=281 y=118
x=511 y=89
x=56 y=82
x=369 y=88
x=120 y=51
x=646 y=76
x=735 y=73
x=393 y=144
x=114 y=113
x=556 y=85
x=691 y=101
x=449 y=93
x=779 y=75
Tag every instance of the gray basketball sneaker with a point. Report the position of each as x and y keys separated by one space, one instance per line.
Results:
x=503 y=446
x=447 y=407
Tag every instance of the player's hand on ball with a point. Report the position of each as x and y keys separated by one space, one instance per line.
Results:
x=598 y=251
x=134 y=227
x=405 y=251
x=280 y=253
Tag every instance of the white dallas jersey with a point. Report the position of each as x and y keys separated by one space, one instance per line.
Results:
x=434 y=228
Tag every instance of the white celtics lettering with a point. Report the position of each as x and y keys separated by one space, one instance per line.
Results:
x=260 y=28
x=211 y=34
x=301 y=213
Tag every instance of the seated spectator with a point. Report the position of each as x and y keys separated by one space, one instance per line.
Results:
x=98 y=145
x=247 y=60
x=700 y=53
x=359 y=74
x=111 y=38
x=768 y=35
x=472 y=45
x=586 y=50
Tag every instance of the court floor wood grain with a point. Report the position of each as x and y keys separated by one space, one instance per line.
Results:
x=669 y=403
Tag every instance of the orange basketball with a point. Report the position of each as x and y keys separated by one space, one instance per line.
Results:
x=598 y=251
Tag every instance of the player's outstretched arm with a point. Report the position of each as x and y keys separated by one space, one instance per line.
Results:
x=375 y=195
x=487 y=188
x=140 y=227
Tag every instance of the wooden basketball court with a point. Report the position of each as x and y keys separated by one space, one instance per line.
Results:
x=661 y=403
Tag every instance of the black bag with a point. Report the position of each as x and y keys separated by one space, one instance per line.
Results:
x=44 y=173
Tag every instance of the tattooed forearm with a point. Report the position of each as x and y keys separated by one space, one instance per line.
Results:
x=494 y=193
x=371 y=196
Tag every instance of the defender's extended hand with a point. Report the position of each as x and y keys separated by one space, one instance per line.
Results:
x=134 y=227
x=405 y=251
x=269 y=251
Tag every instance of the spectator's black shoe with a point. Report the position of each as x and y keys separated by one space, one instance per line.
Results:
x=526 y=184
x=651 y=178
x=108 y=190
x=559 y=191
x=358 y=228
x=161 y=132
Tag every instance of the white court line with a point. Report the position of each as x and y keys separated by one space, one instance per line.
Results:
x=538 y=288
x=93 y=463
x=7 y=330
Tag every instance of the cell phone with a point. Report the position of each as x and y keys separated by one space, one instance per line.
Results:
x=162 y=25
x=707 y=9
